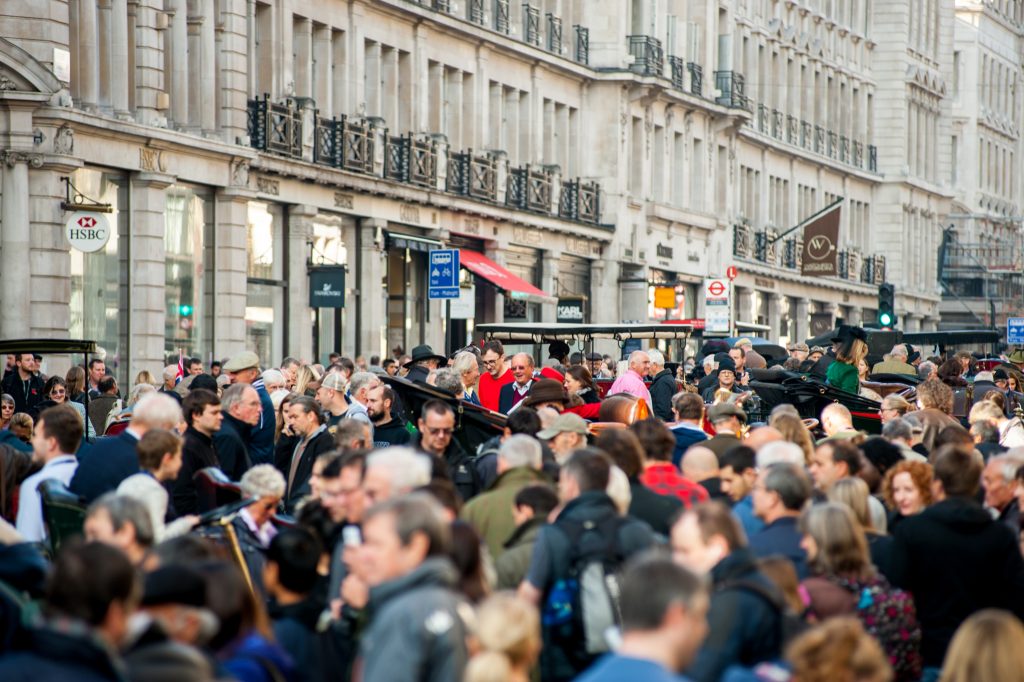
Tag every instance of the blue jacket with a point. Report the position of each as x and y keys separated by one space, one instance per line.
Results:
x=685 y=437
x=50 y=655
x=781 y=537
x=103 y=466
x=744 y=513
x=261 y=438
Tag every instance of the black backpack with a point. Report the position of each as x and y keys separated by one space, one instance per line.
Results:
x=584 y=604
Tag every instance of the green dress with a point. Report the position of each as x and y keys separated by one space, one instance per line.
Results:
x=844 y=377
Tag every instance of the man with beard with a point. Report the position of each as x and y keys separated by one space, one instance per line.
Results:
x=388 y=429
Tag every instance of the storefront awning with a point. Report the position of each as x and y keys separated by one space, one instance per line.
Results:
x=482 y=266
x=396 y=240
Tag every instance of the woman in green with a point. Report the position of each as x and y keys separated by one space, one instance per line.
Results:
x=853 y=347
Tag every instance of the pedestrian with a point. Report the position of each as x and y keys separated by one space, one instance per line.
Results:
x=839 y=649
x=851 y=347
x=999 y=481
x=466 y=367
x=688 y=427
x=308 y=380
x=105 y=402
x=588 y=530
x=244 y=369
x=123 y=522
x=987 y=646
x=6 y=411
x=739 y=474
x=566 y=434
x=907 y=490
x=664 y=622
x=727 y=420
x=415 y=628
x=55 y=440
x=659 y=473
x=794 y=430
x=306 y=421
x=436 y=427
x=508 y=633
x=496 y=374
x=55 y=392
x=701 y=466
x=663 y=386
x=631 y=380
x=580 y=382
x=24 y=384
x=853 y=493
x=389 y=427
x=239 y=408
x=202 y=411
x=170 y=382
x=75 y=379
x=421 y=362
x=654 y=508
x=954 y=557
x=160 y=459
x=779 y=495
x=745 y=615
x=935 y=403
x=530 y=510
x=331 y=395
x=515 y=391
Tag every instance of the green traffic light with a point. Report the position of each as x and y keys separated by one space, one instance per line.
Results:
x=885 y=319
x=185 y=309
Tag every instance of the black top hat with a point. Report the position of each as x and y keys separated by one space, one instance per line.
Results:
x=424 y=352
x=848 y=332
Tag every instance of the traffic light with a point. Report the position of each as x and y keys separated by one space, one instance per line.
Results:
x=886 y=306
x=184 y=310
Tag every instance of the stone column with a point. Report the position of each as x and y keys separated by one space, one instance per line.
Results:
x=303 y=50
x=802 y=319
x=300 y=324
x=50 y=255
x=774 y=316
x=369 y=309
x=119 y=58
x=179 y=88
x=322 y=85
x=149 y=274
x=15 y=244
x=208 y=69
x=88 y=50
x=149 y=63
x=233 y=89
x=911 y=322
x=231 y=265
x=744 y=306
x=856 y=316
x=549 y=284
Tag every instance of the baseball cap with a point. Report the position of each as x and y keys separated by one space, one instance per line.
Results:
x=564 y=423
x=333 y=381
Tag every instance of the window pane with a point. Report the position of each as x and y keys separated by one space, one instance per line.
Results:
x=186 y=218
x=264 y=317
x=265 y=241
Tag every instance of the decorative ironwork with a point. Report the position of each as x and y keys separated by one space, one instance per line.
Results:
x=762 y=118
x=872 y=158
x=441 y=5
x=554 y=33
x=819 y=139
x=678 y=67
x=325 y=141
x=275 y=127
x=648 y=57
x=74 y=200
x=582 y=44
x=476 y=12
x=732 y=87
x=790 y=254
x=777 y=124
x=502 y=24
x=357 y=145
x=743 y=241
x=580 y=201
x=529 y=189
x=411 y=160
x=531 y=25
x=473 y=176
x=696 y=78
x=792 y=129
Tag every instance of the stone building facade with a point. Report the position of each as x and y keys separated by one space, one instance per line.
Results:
x=594 y=149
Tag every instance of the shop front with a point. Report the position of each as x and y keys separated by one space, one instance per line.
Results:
x=572 y=286
x=405 y=280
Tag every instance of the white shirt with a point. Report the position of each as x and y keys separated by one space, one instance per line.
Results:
x=30 y=505
x=264 y=533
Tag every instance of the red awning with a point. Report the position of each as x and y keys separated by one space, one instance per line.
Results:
x=482 y=266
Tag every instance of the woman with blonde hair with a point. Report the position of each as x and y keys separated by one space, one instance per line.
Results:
x=853 y=492
x=987 y=646
x=508 y=635
x=794 y=430
x=852 y=348
x=145 y=377
x=305 y=376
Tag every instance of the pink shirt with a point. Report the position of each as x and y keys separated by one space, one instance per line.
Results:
x=633 y=384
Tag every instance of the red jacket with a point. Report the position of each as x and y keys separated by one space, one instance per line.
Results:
x=489 y=388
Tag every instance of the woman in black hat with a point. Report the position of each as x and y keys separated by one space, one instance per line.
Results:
x=852 y=348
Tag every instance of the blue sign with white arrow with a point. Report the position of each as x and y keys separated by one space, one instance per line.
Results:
x=1015 y=330
x=443 y=274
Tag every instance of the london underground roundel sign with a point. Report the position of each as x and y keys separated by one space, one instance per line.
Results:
x=87 y=231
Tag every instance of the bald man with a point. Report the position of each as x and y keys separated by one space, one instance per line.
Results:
x=632 y=380
x=761 y=436
x=701 y=465
x=837 y=423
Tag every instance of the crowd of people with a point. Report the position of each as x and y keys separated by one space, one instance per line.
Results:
x=376 y=542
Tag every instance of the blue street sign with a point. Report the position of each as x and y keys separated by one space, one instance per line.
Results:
x=443 y=274
x=1015 y=331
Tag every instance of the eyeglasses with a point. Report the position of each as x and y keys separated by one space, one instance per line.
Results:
x=519 y=367
x=440 y=432
x=58 y=391
x=490 y=363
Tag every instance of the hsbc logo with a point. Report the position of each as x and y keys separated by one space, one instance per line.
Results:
x=86 y=221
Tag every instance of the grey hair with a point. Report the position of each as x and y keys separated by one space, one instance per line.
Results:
x=899 y=350
x=448 y=381
x=708 y=361
x=360 y=379
x=416 y=513
x=897 y=429
x=1008 y=464
x=406 y=468
x=782 y=408
x=465 y=362
x=157 y=411
x=140 y=391
x=925 y=369
x=263 y=480
x=986 y=431
x=124 y=509
x=521 y=450
x=656 y=357
x=780 y=451
x=272 y=376
x=790 y=482
x=170 y=371
x=233 y=395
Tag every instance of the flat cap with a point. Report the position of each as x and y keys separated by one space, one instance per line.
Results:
x=244 y=360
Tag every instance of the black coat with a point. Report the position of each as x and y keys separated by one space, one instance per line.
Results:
x=48 y=655
x=456 y=466
x=104 y=464
x=25 y=398
x=662 y=388
x=955 y=559
x=197 y=453
x=319 y=444
x=506 y=397
x=657 y=511
x=232 y=451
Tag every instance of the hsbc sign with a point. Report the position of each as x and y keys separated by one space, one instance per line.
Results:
x=87 y=231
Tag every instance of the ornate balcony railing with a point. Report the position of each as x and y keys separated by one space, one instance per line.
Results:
x=758 y=245
x=872 y=158
x=476 y=12
x=580 y=201
x=732 y=87
x=275 y=127
x=502 y=23
x=678 y=67
x=411 y=160
x=696 y=78
x=872 y=270
x=554 y=33
x=531 y=25
x=582 y=44
x=648 y=57
x=344 y=142
x=473 y=175
x=529 y=189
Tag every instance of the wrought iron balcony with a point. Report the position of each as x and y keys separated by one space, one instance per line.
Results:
x=872 y=270
x=554 y=33
x=872 y=158
x=580 y=201
x=792 y=129
x=502 y=24
x=582 y=49
x=475 y=11
x=648 y=57
x=346 y=143
x=411 y=160
x=274 y=127
x=529 y=189
x=819 y=139
x=806 y=135
x=696 y=78
x=531 y=25
x=678 y=67
x=441 y=5
x=778 y=126
x=473 y=175
x=732 y=87
x=833 y=145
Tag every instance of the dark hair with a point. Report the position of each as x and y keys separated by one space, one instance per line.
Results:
x=94 y=361
x=196 y=402
x=524 y=420
x=582 y=375
x=688 y=405
x=193 y=361
x=842 y=451
x=187 y=549
x=52 y=383
x=387 y=363
x=591 y=468
x=309 y=406
x=624 y=449
x=542 y=499
x=296 y=552
x=437 y=407
x=655 y=438
x=216 y=363
x=651 y=584
x=714 y=518
x=64 y=424
x=106 y=384
x=468 y=559
x=790 y=483
x=494 y=345
x=880 y=452
x=86 y=578
x=388 y=393
x=444 y=493
x=954 y=434
x=314 y=518
x=154 y=445
x=958 y=469
x=355 y=458
x=234 y=604
x=739 y=457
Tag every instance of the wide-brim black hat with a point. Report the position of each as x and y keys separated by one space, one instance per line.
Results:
x=848 y=332
x=424 y=352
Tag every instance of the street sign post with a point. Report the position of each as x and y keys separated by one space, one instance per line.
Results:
x=1015 y=331
x=717 y=309
x=443 y=274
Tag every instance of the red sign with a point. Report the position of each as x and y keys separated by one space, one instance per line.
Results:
x=731 y=272
x=716 y=288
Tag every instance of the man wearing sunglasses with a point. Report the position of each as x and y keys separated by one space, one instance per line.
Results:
x=436 y=426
